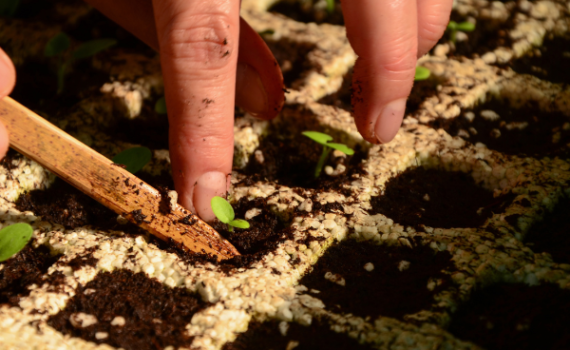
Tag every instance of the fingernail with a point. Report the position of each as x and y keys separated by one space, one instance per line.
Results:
x=210 y=184
x=250 y=93
x=390 y=120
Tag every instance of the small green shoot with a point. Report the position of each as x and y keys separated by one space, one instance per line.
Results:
x=330 y=6
x=266 y=32
x=160 y=106
x=133 y=158
x=60 y=43
x=14 y=238
x=8 y=7
x=422 y=73
x=453 y=27
x=324 y=139
x=225 y=213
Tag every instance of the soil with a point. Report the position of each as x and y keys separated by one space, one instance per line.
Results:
x=291 y=162
x=267 y=336
x=342 y=97
x=551 y=235
x=22 y=270
x=386 y=290
x=306 y=13
x=291 y=58
x=486 y=37
x=548 y=62
x=515 y=316
x=522 y=131
x=421 y=197
x=155 y=315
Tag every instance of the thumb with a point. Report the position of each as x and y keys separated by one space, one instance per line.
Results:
x=7 y=81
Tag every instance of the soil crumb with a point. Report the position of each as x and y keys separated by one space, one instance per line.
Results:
x=131 y=311
x=421 y=197
x=268 y=335
x=515 y=316
x=366 y=279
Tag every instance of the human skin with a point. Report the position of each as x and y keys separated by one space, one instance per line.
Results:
x=211 y=60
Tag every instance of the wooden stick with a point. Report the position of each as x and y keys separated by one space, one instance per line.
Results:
x=111 y=185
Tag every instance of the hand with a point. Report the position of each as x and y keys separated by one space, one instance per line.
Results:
x=198 y=42
x=7 y=81
x=388 y=36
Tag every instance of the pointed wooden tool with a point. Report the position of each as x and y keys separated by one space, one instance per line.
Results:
x=111 y=185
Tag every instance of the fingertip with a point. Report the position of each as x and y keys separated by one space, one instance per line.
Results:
x=7 y=75
x=390 y=120
x=4 y=141
x=209 y=184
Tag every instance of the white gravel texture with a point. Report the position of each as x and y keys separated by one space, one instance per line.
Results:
x=259 y=293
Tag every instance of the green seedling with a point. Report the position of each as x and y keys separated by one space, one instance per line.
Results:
x=60 y=43
x=324 y=139
x=14 y=238
x=225 y=213
x=422 y=73
x=330 y=6
x=133 y=158
x=453 y=27
x=8 y=7
x=160 y=106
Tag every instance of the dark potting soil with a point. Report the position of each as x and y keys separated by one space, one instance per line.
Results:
x=264 y=235
x=155 y=315
x=305 y=12
x=436 y=198
x=522 y=131
x=317 y=336
x=65 y=205
x=385 y=290
x=420 y=92
x=291 y=57
x=291 y=162
x=515 y=316
x=552 y=234
x=486 y=37
x=548 y=62
x=22 y=270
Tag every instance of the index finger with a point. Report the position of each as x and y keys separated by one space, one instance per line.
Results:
x=198 y=42
x=384 y=36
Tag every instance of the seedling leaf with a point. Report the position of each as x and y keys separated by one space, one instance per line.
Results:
x=92 y=47
x=318 y=137
x=239 y=223
x=340 y=147
x=452 y=25
x=222 y=209
x=57 y=45
x=330 y=6
x=134 y=158
x=466 y=26
x=422 y=73
x=266 y=32
x=13 y=239
x=8 y=7
x=160 y=106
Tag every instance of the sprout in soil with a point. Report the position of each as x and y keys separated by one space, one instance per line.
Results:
x=453 y=27
x=422 y=73
x=225 y=213
x=324 y=139
x=8 y=7
x=160 y=106
x=14 y=238
x=133 y=158
x=330 y=6
x=60 y=43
